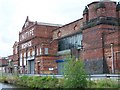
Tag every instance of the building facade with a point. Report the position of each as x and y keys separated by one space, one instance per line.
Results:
x=101 y=37
x=3 y=64
x=94 y=38
x=35 y=49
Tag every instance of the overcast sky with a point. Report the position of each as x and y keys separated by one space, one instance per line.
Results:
x=14 y=12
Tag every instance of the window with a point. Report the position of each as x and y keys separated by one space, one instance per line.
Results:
x=24 y=54
x=16 y=50
x=26 y=24
x=25 y=62
x=59 y=34
x=25 y=59
x=37 y=52
x=33 y=52
x=40 y=51
x=28 y=53
x=46 y=50
x=75 y=27
x=74 y=41
x=21 y=59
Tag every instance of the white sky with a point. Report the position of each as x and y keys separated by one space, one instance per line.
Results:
x=13 y=14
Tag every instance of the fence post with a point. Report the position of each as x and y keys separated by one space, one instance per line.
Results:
x=89 y=80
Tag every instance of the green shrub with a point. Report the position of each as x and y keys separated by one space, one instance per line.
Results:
x=92 y=84
x=38 y=82
x=74 y=74
x=107 y=83
x=30 y=82
x=51 y=82
x=23 y=80
x=3 y=79
x=60 y=83
x=76 y=80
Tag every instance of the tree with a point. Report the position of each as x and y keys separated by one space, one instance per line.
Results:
x=74 y=74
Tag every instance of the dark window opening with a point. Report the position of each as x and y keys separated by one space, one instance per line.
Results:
x=74 y=41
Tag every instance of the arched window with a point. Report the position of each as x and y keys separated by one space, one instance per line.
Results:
x=33 y=52
x=24 y=54
x=24 y=58
x=59 y=34
x=28 y=53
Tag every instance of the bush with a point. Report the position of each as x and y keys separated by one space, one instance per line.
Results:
x=71 y=80
x=3 y=79
x=38 y=82
x=30 y=82
x=23 y=80
x=107 y=83
x=60 y=83
x=74 y=73
x=51 y=82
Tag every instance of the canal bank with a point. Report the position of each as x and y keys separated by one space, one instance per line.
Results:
x=9 y=86
x=41 y=82
x=32 y=81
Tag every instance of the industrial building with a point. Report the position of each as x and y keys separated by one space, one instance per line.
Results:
x=94 y=38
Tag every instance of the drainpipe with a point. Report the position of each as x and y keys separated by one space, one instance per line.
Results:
x=112 y=54
x=104 y=68
x=18 y=49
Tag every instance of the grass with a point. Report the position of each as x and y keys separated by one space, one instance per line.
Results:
x=104 y=83
x=52 y=82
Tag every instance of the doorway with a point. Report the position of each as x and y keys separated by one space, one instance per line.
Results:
x=31 y=66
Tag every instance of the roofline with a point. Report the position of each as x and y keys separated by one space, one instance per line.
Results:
x=49 y=24
x=68 y=23
x=100 y=1
x=93 y=3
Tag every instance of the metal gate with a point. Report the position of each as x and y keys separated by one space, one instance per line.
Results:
x=31 y=66
x=61 y=68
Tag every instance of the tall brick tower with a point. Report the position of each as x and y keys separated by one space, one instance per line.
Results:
x=100 y=18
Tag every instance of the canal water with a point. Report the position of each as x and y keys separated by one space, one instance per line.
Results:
x=9 y=87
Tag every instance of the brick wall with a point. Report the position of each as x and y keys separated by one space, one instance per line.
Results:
x=98 y=37
x=112 y=38
x=95 y=11
x=3 y=62
x=68 y=29
x=46 y=64
x=34 y=38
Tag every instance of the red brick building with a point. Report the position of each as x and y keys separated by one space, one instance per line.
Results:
x=94 y=38
x=3 y=64
x=101 y=37
x=35 y=49
x=15 y=56
x=10 y=68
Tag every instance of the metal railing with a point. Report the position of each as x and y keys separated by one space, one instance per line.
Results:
x=104 y=76
x=90 y=77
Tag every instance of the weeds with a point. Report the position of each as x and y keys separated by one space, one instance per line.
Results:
x=52 y=82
